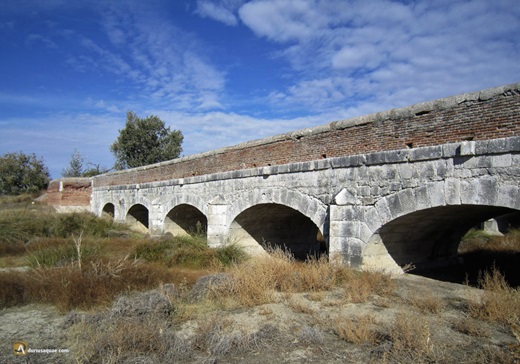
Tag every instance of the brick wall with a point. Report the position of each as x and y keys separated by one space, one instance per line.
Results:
x=488 y=114
x=70 y=192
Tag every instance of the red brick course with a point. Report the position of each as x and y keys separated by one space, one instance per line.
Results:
x=73 y=192
x=444 y=121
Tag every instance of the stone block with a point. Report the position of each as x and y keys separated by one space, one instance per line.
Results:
x=469 y=191
x=450 y=150
x=383 y=211
x=407 y=201
x=426 y=153
x=405 y=171
x=344 y=229
x=347 y=196
x=487 y=191
x=371 y=218
x=503 y=160
x=467 y=148
x=452 y=191
x=508 y=196
x=497 y=146
x=436 y=194
x=375 y=158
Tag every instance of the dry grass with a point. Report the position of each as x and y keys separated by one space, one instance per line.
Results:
x=115 y=341
x=97 y=283
x=359 y=330
x=426 y=302
x=500 y=303
x=410 y=333
x=254 y=282
x=478 y=240
x=471 y=327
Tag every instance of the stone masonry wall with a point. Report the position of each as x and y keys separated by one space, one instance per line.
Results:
x=484 y=115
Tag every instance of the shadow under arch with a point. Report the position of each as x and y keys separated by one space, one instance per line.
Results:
x=274 y=225
x=138 y=218
x=430 y=238
x=185 y=219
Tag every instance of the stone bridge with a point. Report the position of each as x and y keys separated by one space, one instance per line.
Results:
x=379 y=191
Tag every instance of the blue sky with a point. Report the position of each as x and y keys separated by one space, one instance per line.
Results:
x=228 y=71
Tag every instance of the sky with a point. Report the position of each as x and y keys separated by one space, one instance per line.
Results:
x=229 y=71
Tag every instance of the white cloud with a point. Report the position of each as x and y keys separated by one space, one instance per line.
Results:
x=222 y=12
x=345 y=52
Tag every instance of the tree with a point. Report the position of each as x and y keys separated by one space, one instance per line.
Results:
x=75 y=168
x=21 y=173
x=145 y=141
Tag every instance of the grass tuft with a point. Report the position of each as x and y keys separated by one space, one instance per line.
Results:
x=500 y=302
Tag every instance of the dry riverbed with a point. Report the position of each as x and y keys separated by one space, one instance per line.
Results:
x=316 y=327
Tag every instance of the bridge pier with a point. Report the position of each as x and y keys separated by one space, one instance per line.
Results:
x=217 y=222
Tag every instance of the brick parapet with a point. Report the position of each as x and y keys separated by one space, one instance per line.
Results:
x=484 y=115
x=70 y=192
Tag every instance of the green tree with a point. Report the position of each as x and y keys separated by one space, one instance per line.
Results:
x=145 y=141
x=22 y=173
x=75 y=168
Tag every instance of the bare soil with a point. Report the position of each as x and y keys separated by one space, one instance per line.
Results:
x=297 y=328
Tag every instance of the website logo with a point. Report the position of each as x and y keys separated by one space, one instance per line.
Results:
x=20 y=348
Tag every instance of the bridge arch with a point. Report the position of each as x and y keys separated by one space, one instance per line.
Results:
x=279 y=217
x=109 y=209
x=138 y=215
x=425 y=225
x=185 y=215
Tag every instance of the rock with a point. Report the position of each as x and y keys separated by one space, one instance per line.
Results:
x=141 y=304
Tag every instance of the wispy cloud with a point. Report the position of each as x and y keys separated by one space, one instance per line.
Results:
x=222 y=11
x=341 y=49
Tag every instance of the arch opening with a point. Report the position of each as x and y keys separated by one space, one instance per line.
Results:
x=430 y=240
x=109 y=210
x=274 y=225
x=137 y=218
x=185 y=220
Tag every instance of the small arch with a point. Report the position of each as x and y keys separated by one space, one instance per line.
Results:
x=276 y=225
x=109 y=210
x=185 y=219
x=138 y=218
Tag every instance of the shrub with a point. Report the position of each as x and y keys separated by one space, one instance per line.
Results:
x=357 y=330
x=500 y=303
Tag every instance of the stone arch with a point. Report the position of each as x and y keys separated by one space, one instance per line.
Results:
x=279 y=217
x=186 y=199
x=185 y=214
x=309 y=206
x=138 y=217
x=109 y=209
x=424 y=225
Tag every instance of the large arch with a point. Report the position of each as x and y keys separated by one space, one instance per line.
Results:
x=138 y=218
x=424 y=226
x=279 y=217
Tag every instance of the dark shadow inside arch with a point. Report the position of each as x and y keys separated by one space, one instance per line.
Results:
x=137 y=218
x=430 y=239
x=275 y=225
x=109 y=209
x=185 y=220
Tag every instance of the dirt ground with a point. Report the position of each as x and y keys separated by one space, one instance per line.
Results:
x=297 y=328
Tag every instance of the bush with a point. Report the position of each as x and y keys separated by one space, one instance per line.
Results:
x=189 y=252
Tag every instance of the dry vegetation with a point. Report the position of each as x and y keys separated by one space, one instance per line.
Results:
x=125 y=298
